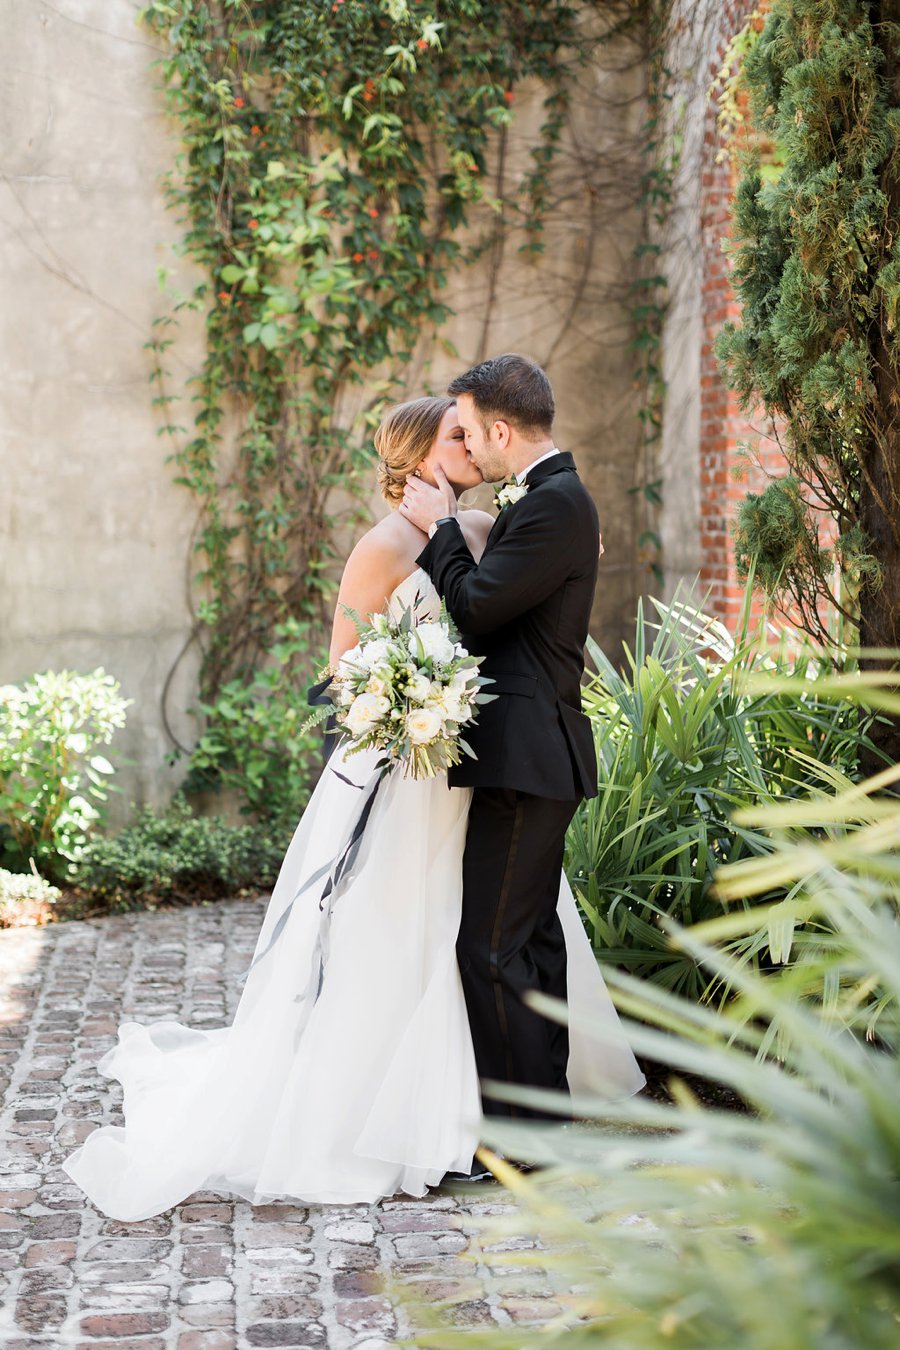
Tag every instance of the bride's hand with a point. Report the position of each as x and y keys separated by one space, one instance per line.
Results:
x=423 y=504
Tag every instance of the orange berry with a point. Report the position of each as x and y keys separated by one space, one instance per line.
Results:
x=239 y=102
x=357 y=257
x=254 y=224
x=373 y=213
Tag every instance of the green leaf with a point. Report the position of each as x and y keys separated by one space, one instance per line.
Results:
x=269 y=335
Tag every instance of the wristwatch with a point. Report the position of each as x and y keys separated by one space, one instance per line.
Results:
x=435 y=524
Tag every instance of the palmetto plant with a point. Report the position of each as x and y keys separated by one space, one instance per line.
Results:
x=685 y=739
x=773 y=1228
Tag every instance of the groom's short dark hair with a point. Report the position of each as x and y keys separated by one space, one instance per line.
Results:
x=512 y=389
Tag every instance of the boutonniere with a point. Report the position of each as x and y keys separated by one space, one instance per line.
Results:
x=509 y=493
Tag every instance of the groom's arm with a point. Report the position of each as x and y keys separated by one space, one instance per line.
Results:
x=529 y=562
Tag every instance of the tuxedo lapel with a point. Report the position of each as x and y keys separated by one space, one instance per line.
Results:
x=555 y=464
x=495 y=531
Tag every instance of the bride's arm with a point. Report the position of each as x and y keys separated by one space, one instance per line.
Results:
x=476 y=526
x=370 y=575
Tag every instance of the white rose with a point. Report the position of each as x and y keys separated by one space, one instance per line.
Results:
x=344 y=694
x=458 y=709
x=379 y=682
x=422 y=725
x=375 y=652
x=437 y=698
x=436 y=641
x=349 y=664
x=419 y=687
x=366 y=710
x=513 y=492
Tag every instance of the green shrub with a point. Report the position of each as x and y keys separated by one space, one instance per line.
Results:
x=25 y=897
x=53 y=782
x=176 y=855
x=774 y=1228
x=683 y=741
x=251 y=743
x=850 y=833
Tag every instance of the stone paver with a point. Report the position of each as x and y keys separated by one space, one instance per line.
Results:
x=214 y=1273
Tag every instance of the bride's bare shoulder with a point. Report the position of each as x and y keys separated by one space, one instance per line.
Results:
x=380 y=554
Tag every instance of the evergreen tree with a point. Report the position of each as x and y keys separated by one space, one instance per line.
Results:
x=817 y=271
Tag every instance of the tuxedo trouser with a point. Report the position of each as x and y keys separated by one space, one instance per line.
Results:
x=511 y=940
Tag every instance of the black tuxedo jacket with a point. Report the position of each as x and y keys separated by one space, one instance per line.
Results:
x=525 y=608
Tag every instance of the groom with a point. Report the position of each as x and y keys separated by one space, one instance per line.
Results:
x=525 y=608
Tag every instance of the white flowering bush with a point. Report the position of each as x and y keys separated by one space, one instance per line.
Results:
x=409 y=689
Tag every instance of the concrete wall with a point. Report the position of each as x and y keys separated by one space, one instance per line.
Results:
x=95 y=536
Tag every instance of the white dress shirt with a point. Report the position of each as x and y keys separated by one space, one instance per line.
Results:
x=540 y=459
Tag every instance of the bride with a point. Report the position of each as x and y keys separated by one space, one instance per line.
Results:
x=361 y=1084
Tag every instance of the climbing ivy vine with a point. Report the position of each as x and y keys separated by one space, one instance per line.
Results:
x=332 y=153
x=339 y=159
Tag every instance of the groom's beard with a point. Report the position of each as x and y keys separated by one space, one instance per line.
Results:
x=492 y=470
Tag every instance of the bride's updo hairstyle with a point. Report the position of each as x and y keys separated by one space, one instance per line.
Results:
x=405 y=435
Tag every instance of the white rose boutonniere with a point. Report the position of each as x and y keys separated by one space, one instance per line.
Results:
x=509 y=493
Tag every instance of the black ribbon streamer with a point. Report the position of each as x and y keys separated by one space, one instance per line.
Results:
x=316 y=697
x=337 y=873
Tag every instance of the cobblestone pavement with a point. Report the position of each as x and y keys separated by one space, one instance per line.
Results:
x=214 y=1272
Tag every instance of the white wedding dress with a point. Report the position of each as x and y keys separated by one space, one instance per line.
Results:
x=360 y=1088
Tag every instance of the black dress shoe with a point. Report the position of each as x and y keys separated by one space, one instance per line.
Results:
x=478 y=1172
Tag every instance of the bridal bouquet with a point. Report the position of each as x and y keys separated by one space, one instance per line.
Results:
x=409 y=689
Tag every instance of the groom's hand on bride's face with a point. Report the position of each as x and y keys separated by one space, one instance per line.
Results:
x=424 y=504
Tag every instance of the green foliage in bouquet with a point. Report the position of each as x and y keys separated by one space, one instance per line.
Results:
x=771 y=1228
x=257 y=741
x=177 y=856
x=684 y=739
x=409 y=689
x=54 y=781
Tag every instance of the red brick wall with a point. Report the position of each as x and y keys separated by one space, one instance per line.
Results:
x=722 y=426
